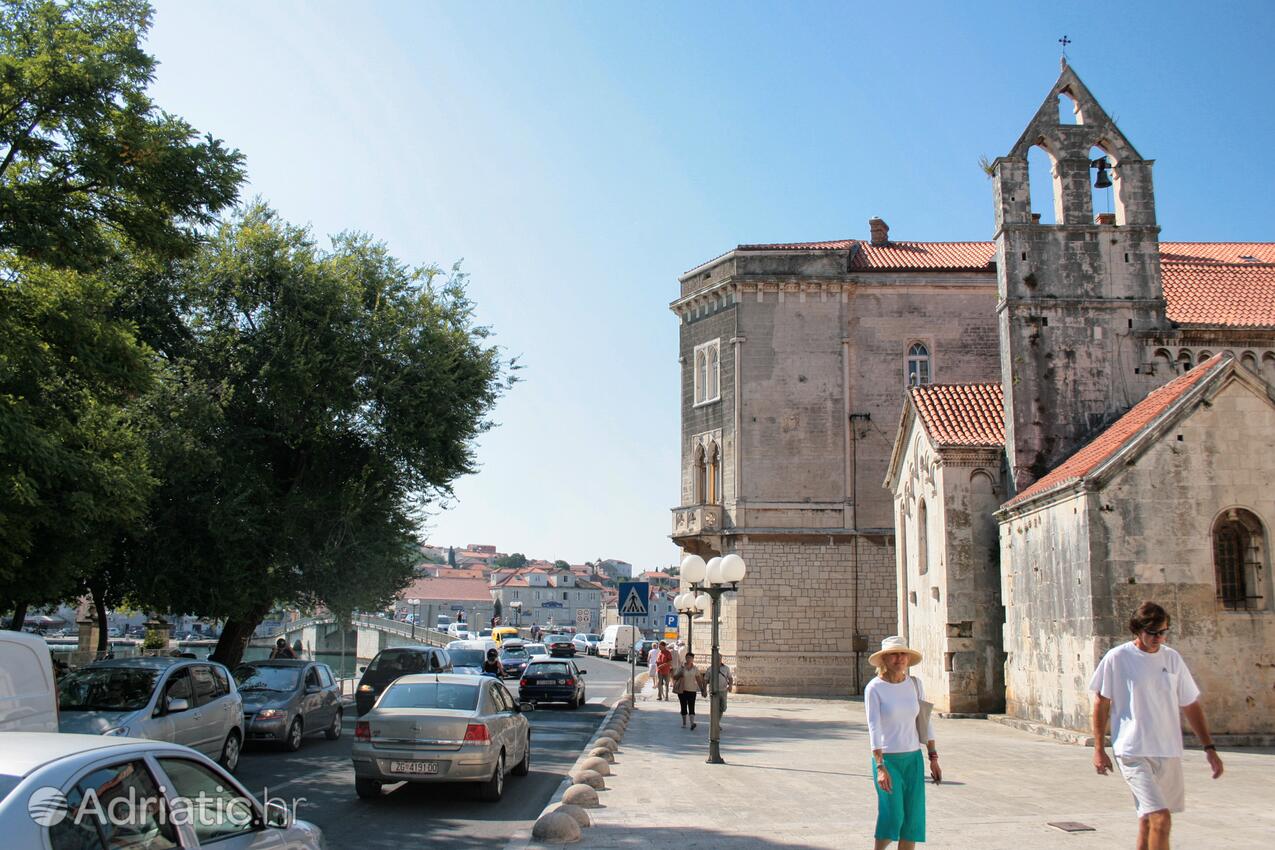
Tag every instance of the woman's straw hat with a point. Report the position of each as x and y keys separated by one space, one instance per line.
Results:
x=894 y=643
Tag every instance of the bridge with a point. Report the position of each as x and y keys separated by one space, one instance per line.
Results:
x=366 y=635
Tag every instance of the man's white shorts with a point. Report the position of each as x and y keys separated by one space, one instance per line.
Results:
x=1156 y=783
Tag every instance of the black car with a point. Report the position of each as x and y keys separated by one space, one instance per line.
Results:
x=550 y=680
x=644 y=648
x=560 y=645
x=285 y=699
x=514 y=658
x=389 y=664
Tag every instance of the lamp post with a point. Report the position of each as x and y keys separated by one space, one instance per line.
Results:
x=416 y=609
x=517 y=606
x=718 y=576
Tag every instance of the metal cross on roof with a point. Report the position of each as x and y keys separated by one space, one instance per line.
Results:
x=1064 y=41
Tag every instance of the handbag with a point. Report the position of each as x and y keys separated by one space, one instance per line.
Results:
x=922 y=714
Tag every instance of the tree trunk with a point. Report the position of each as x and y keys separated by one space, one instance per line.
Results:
x=99 y=607
x=19 y=616
x=235 y=636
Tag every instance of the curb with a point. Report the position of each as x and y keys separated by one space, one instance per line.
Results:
x=522 y=838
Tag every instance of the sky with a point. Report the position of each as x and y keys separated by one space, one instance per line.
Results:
x=577 y=157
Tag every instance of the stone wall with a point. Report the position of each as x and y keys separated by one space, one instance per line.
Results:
x=790 y=628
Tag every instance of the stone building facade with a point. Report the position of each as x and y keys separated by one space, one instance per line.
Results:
x=797 y=361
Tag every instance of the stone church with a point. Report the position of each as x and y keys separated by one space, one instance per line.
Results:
x=1067 y=420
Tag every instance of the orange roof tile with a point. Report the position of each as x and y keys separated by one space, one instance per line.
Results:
x=1234 y=294
x=961 y=414
x=949 y=256
x=460 y=589
x=1217 y=252
x=835 y=245
x=1124 y=429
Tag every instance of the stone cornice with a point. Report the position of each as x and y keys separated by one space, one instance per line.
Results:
x=825 y=288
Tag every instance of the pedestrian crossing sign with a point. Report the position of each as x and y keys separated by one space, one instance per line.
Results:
x=634 y=596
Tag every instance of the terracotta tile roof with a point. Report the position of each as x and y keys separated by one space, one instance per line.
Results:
x=1124 y=429
x=948 y=256
x=1232 y=294
x=458 y=589
x=835 y=245
x=961 y=414
x=1217 y=252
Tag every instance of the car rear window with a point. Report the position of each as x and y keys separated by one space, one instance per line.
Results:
x=430 y=695
x=467 y=657
x=549 y=670
x=400 y=662
x=558 y=639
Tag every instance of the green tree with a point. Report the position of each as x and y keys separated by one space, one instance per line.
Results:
x=326 y=398
x=561 y=565
x=73 y=465
x=88 y=163
x=516 y=561
x=451 y=556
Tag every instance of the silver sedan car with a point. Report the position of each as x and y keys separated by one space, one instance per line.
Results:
x=442 y=727
x=64 y=790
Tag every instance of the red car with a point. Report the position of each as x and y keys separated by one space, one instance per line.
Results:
x=560 y=645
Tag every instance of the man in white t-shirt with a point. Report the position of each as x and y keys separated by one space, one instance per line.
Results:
x=1142 y=686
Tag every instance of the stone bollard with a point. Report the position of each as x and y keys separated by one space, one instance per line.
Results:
x=601 y=765
x=602 y=753
x=588 y=777
x=581 y=795
x=577 y=812
x=607 y=741
x=556 y=828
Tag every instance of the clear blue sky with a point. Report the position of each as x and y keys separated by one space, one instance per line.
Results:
x=579 y=156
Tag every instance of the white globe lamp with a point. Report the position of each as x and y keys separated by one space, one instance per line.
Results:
x=732 y=569
x=693 y=569
x=713 y=571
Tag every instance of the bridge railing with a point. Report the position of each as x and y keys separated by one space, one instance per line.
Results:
x=384 y=624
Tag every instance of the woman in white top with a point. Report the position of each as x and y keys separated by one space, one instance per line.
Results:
x=893 y=701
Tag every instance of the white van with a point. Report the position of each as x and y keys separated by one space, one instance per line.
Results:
x=459 y=631
x=617 y=641
x=28 y=691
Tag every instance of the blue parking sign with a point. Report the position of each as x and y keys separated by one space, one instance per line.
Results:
x=670 y=621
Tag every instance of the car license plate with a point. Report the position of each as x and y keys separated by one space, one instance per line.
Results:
x=413 y=767
x=552 y=682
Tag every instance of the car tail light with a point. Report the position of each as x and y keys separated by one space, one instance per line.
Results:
x=522 y=683
x=363 y=731
x=476 y=733
x=571 y=681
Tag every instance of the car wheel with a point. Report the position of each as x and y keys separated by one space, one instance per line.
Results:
x=230 y=752
x=292 y=743
x=334 y=731
x=493 y=789
x=573 y=703
x=367 y=789
x=523 y=767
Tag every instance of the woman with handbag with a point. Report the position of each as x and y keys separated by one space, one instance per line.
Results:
x=898 y=721
x=689 y=681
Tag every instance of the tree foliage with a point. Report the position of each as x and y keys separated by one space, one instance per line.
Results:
x=516 y=561
x=326 y=398
x=88 y=163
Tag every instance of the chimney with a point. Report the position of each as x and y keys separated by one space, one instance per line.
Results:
x=880 y=231
x=1105 y=218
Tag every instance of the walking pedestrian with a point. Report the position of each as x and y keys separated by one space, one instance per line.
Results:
x=652 y=668
x=726 y=683
x=664 y=669
x=1142 y=685
x=689 y=681
x=282 y=650
x=894 y=705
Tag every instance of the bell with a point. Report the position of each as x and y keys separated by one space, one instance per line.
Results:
x=1102 y=181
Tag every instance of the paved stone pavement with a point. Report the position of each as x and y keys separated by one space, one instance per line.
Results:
x=798 y=775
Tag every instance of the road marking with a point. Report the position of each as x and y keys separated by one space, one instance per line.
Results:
x=597 y=700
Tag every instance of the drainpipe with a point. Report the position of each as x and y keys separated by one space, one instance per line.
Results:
x=859 y=643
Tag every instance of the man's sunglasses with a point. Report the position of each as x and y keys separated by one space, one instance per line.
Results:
x=1156 y=632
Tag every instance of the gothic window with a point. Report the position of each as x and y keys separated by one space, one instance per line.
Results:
x=1238 y=553
x=713 y=475
x=922 y=539
x=918 y=365
x=1184 y=361
x=698 y=478
x=707 y=372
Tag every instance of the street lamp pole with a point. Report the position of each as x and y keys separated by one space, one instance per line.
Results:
x=719 y=576
x=416 y=610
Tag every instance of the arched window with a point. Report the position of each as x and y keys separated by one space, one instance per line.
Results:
x=922 y=539
x=698 y=474
x=1203 y=355
x=1185 y=361
x=918 y=365
x=713 y=371
x=713 y=474
x=701 y=375
x=1238 y=553
x=1249 y=361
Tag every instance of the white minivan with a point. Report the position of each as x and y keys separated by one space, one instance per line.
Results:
x=617 y=641
x=28 y=692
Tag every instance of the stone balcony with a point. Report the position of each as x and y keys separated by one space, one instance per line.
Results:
x=693 y=520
